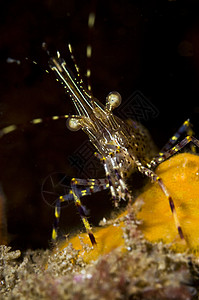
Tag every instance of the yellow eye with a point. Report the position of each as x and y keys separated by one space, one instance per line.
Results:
x=113 y=100
x=73 y=124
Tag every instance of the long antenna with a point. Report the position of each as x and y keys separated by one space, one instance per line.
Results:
x=91 y=24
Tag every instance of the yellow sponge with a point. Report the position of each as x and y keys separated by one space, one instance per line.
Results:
x=180 y=174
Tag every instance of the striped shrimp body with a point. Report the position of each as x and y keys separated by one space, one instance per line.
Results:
x=122 y=147
x=119 y=144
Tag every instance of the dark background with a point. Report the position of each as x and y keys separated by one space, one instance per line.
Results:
x=146 y=50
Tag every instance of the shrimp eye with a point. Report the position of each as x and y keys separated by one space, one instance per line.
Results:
x=73 y=124
x=113 y=100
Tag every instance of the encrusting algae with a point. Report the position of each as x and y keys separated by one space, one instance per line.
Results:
x=130 y=260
